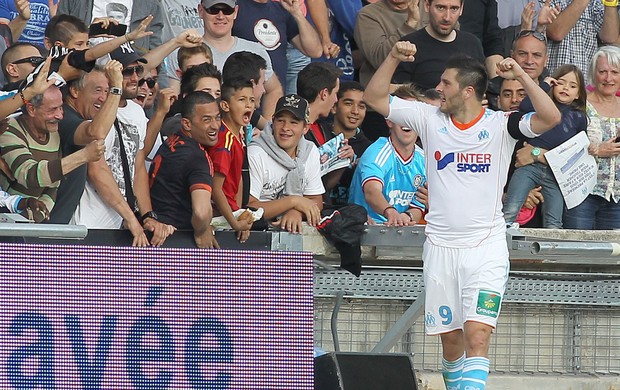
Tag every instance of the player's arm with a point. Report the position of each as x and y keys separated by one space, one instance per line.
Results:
x=377 y=94
x=546 y=114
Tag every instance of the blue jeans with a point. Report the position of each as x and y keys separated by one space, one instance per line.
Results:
x=522 y=181
x=296 y=62
x=595 y=212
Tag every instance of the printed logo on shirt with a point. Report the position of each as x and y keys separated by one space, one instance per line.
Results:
x=465 y=162
x=400 y=198
x=267 y=34
x=484 y=134
x=488 y=303
x=417 y=181
x=443 y=130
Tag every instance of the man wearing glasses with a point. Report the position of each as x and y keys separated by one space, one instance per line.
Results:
x=118 y=186
x=218 y=17
x=18 y=61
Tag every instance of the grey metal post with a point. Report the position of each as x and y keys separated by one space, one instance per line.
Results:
x=401 y=326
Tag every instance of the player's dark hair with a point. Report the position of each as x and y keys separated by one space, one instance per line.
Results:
x=469 y=73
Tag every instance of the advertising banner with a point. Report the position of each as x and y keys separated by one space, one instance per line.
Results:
x=76 y=317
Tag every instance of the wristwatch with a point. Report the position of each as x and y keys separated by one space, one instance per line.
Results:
x=116 y=91
x=149 y=214
x=536 y=153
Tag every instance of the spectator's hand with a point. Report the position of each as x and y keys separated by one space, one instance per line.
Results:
x=206 y=240
x=23 y=9
x=346 y=151
x=104 y=21
x=404 y=51
x=141 y=32
x=421 y=195
x=551 y=81
x=160 y=231
x=330 y=49
x=67 y=71
x=509 y=69
x=308 y=208
x=242 y=228
x=292 y=6
x=53 y=7
x=485 y=101
x=534 y=197
x=94 y=150
x=139 y=238
x=413 y=13
x=547 y=15
x=4 y=167
x=166 y=98
x=113 y=72
x=608 y=148
x=40 y=83
x=38 y=209
x=188 y=38
x=527 y=16
x=394 y=218
x=291 y=222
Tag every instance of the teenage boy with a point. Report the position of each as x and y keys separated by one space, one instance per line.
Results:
x=349 y=113
x=285 y=177
x=237 y=104
x=389 y=173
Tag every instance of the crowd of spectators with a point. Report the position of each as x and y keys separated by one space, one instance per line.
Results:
x=160 y=115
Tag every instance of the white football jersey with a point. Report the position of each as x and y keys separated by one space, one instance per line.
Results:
x=467 y=166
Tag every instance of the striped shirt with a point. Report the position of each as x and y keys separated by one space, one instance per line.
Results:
x=36 y=166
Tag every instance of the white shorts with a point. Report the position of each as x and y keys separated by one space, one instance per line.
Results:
x=464 y=284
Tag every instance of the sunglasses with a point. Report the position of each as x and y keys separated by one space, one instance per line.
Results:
x=214 y=10
x=526 y=33
x=138 y=70
x=150 y=82
x=35 y=61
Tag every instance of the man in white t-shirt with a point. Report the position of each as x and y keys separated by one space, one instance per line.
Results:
x=468 y=150
x=285 y=178
x=108 y=194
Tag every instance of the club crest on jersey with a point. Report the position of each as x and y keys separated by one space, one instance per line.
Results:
x=484 y=134
x=465 y=162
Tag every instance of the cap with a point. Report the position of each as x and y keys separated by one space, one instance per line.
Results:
x=125 y=54
x=211 y=3
x=294 y=104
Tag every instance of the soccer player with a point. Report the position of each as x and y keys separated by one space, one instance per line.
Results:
x=468 y=150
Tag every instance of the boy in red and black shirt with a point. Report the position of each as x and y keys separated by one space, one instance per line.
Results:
x=238 y=104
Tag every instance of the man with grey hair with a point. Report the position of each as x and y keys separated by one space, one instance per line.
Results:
x=31 y=149
x=89 y=113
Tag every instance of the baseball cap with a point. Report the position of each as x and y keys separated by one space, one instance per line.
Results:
x=211 y=3
x=126 y=54
x=294 y=104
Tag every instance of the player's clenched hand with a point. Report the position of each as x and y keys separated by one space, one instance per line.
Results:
x=404 y=51
x=509 y=69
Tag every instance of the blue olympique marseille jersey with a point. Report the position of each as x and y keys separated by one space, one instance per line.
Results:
x=400 y=178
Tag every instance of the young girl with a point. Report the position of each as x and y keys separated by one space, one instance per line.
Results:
x=568 y=91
